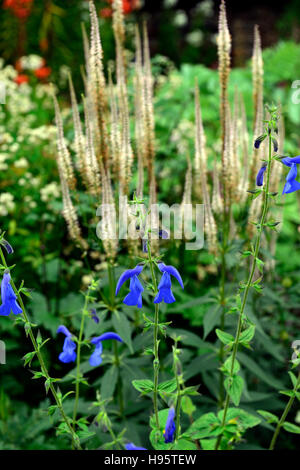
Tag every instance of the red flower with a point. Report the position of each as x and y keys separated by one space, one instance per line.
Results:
x=42 y=73
x=20 y=8
x=106 y=12
x=21 y=79
x=128 y=7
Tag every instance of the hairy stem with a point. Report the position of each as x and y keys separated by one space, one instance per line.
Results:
x=155 y=339
x=77 y=385
x=284 y=415
x=111 y=281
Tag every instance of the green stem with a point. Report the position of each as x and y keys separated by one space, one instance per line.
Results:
x=222 y=324
x=112 y=283
x=248 y=285
x=284 y=415
x=77 y=385
x=119 y=383
x=38 y=353
x=155 y=339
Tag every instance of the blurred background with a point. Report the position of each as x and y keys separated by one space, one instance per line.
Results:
x=182 y=30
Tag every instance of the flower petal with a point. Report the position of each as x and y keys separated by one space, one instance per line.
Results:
x=105 y=336
x=171 y=270
x=127 y=275
x=96 y=358
x=131 y=446
x=63 y=329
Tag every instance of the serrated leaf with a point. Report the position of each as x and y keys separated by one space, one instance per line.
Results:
x=143 y=385
x=247 y=335
x=226 y=338
x=234 y=386
x=290 y=427
x=269 y=417
x=168 y=386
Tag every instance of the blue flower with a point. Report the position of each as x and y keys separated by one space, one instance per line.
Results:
x=9 y=298
x=94 y=315
x=7 y=246
x=164 y=287
x=291 y=184
x=170 y=428
x=288 y=161
x=69 y=348
x=260 y=175
x=131 y=446
x=96 y=357
x=135 y=295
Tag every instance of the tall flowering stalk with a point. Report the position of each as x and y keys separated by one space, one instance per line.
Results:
x=270 y=133
x=155 y=336
x=37 y=345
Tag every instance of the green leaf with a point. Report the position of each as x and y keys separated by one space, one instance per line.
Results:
x=184 y=444
x=262 y=374
x=108 y=382
x=210 y=320
x=122 y=327
x=144 y=385
x=293 y=378
x=226 y=338
x=269 y=417
x=228 y=363
x=204 y=426
x=187 y=406
x=245 y=419
x=168 y=386
x=234 y=386
x=290 y=427
x=247 y=335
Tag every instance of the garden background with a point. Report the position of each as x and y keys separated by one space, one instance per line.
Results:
x=40 y=42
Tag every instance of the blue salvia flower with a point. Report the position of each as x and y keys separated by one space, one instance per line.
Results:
x=96 y=358
x=288 y=161
x=135 y=295
x=170 y=427
x=164 y=287
x=7 y=246
x=291 y=184
x=9 y=298
x=131 y=446
x=94 y=315
x=68 y=353
x=260 y=175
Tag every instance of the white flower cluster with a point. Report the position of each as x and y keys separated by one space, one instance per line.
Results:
x=50 y=191
x=31 y=62
x=7 y=204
